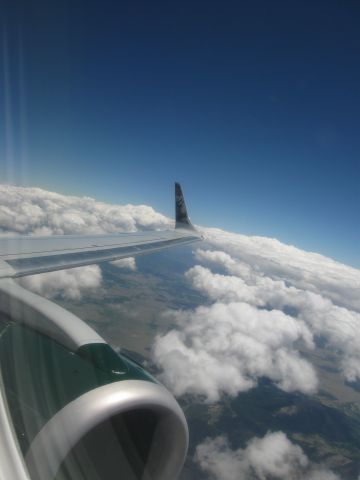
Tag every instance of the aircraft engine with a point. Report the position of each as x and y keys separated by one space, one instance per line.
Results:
x=79 y=409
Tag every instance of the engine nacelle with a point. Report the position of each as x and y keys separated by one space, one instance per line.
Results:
x=85 y=412
x=131 y=428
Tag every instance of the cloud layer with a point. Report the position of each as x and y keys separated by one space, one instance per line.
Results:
x=272 y=457
x=226 y=347
x=33 y=211
x=306 y=270
x=265 y=298
x=265 y=301
x=126 y=263
x=69 y=284
x=269 y=300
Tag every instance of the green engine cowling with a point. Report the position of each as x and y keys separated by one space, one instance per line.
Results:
x=88 y=413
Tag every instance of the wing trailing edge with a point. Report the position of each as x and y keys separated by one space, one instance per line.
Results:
x=29 y=255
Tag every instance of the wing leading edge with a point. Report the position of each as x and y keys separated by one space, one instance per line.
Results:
x=28 y=255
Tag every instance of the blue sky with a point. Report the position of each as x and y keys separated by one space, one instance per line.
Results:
x=253 y=106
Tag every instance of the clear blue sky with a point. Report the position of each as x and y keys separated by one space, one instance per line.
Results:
x=254 y=106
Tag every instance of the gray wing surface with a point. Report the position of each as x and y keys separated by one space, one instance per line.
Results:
x=28 y=255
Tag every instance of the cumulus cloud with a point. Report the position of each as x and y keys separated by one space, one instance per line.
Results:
x=36 y=211
x=305 y=270
x=126 y=263
x=225 y=348
x=33 y=211
x=272 y=457
x=340 y=326
x=268 y=300
x=69 y=284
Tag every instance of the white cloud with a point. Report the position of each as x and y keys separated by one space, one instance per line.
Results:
x=272 y=457
x=245 y=333
x=305 y=270
x=226 y=347
x=69 y=284
x=223 y=288
x=126 y=263
x=340 y=326
x=34 y=211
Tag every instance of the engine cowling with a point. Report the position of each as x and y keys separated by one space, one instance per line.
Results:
x=89 y=414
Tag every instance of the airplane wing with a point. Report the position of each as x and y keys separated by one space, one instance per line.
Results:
x=28 y=255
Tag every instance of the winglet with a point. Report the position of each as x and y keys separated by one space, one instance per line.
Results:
x=181 y=217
